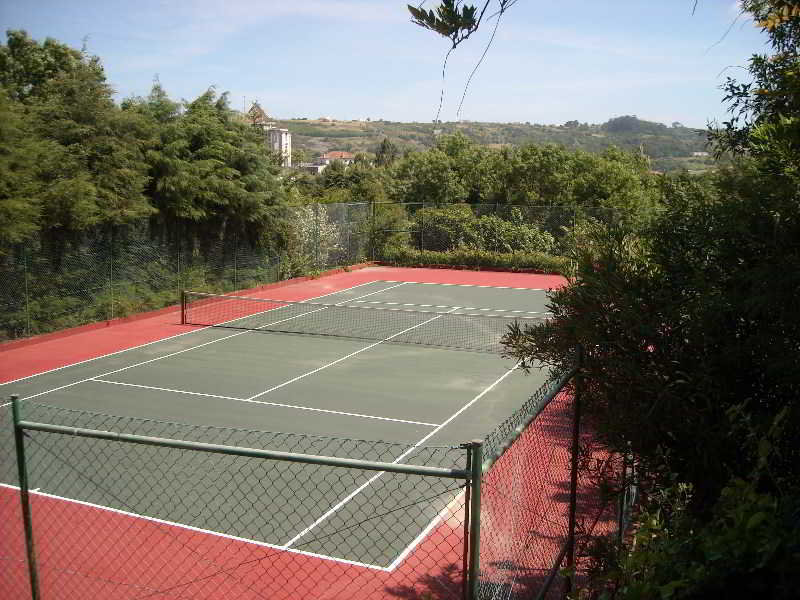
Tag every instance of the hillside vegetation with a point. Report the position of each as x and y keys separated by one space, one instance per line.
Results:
x=669 y=148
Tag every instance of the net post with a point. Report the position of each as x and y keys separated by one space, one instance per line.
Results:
x=183 y=307
x=475 y=457
x=26 y=267
x=373 y=225
x=465 y=548
x=573 y=484
x=111 y=274
x=24 y=496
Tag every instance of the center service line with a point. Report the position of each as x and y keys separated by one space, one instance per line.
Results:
x=338 y=360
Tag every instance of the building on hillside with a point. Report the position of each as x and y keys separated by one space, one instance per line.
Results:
x=313 y=168
x=280 y=141
x=277 y=139
x=346 y=157
x=700 y=154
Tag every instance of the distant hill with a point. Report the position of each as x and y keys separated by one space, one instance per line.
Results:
x=670 y=148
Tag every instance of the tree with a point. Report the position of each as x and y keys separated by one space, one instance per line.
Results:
x=21 y=151
x=386 y=153
x=211 y=176
x=429 y=177
x=335 y=175
x=452 y=21
x=299 y=156
x=91 y=171
x=688 y=363
x=765 y=113
x=26 y=66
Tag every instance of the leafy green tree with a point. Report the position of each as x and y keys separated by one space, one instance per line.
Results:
x=386 y=153
x=446 y=228
x=211 y=175
x=335 y=175
x=765 y=112
x=299 y=156
x=429 y=177
x=26 y=66
x=91 y=172
x=20 y=186
x=691 y=328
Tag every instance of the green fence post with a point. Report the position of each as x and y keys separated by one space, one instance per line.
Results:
x=573 y=484
x=235 y=261
x=111 y=275
x=372 y=230
x=475 y=449
x=22 y=468
x=25 y=256
x=422 y=227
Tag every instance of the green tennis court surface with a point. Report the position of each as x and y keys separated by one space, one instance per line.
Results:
x=227 y=383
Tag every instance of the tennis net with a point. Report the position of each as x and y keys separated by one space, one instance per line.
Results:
x=447 y=329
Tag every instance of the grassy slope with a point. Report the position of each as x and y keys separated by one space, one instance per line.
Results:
x=670 y=149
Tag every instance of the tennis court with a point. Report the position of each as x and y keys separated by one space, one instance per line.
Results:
x=415 y=365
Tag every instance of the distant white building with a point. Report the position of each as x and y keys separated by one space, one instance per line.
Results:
x=280 y=141
x=277 y=139
x=700 y=154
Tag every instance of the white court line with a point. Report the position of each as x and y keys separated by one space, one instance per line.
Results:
x=165 y=339
x=170 y=354
x=295 y=406
x=506 y=310
x=366 y=484
x=338 y=360
x=145 y=362
x=493 y=287
x=200 y=530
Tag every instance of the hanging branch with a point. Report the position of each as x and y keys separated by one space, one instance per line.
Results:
x=456 y=23
x=499 y=14
x=449 y=20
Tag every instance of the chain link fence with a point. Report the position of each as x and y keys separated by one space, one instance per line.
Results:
x=120 y=271
x=158 y=509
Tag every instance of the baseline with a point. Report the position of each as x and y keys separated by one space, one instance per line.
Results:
x=219 y=534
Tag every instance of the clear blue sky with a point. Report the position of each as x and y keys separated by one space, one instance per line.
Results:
x=550 y=61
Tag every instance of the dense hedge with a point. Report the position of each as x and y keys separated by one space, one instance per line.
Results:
x=467 y=257
x=454 y=226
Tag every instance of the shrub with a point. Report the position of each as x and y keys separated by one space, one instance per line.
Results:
x=470 y=257
x=498 y=235
x=456 y=226
x=442 y=229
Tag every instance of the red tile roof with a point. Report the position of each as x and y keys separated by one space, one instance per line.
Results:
x=338 y=154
